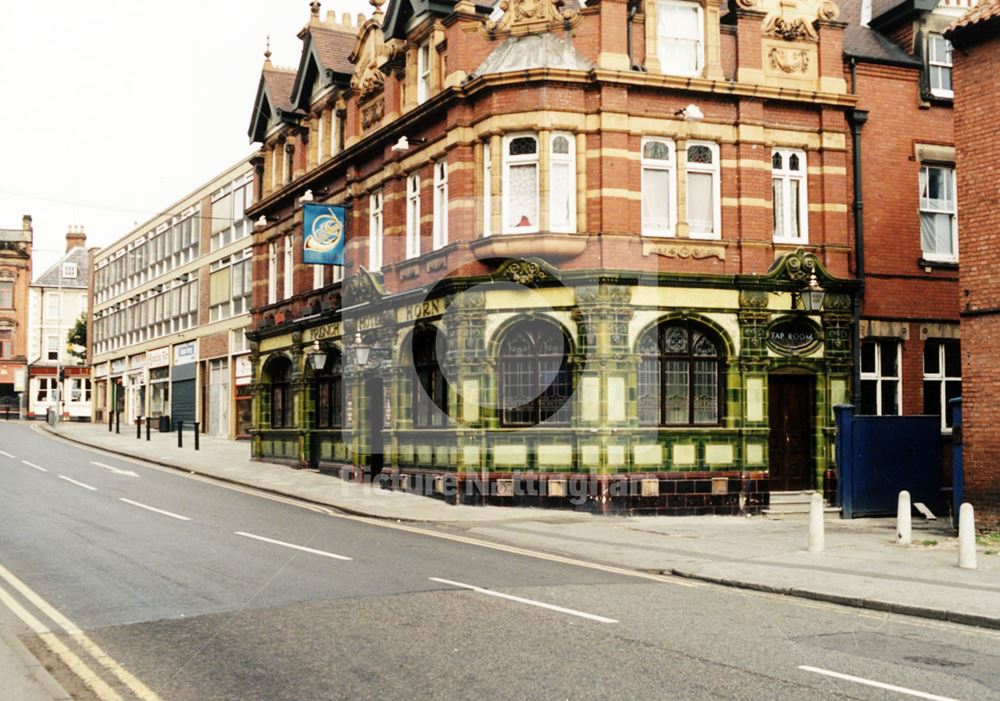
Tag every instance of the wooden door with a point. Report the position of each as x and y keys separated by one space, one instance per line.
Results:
x=790 y=444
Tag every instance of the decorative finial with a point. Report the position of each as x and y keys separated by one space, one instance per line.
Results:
x=314 y=8
x=267 y=51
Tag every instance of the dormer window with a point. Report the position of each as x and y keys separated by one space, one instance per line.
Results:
x=69 y=270
x=939 y=65
x=680 y=34
x=423 y=72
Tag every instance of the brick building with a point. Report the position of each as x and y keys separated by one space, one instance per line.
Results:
x=976 y=38
x=58 y=297
x=15 y=277
x=582 y=249
x=170 y=303
x=898 y=63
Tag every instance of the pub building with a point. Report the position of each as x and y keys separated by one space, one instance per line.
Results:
x=596 y=256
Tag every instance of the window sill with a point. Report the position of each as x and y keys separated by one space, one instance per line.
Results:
x=925 y=263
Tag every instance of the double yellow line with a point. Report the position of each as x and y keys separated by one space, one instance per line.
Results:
x=50 y=638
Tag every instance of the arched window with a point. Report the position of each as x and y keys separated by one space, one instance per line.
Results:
x=280 y=401
x=535 y=379
x=680 y=376
x=430 y=391
x=330 y=392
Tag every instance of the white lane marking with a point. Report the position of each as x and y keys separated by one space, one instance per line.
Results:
x=293 y=546
x=78 y=666
x=154 y=509
x=877 y=685
x=531 y=602
x=114 y=469
x=93 y=649
x=31 y=464
x=78 y=484
x=4 y=452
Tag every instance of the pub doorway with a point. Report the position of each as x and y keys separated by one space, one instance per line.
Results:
x=790 y=402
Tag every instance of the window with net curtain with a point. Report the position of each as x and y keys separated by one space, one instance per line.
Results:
x=679 y=38
x=521 y=186
x=535 y=376
x=703 y=190
x=680 y=376
x=789 y=198
x=658 y=204
x=938 y=230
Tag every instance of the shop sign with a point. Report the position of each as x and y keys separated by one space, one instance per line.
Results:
x=422 y=310
x=185 y=353
x=136 y=362
x=793 y=336
x=101 y=370
x=118 y=366
x=319 y=333
x=244 y=370
x=158 y=357
x=323 y=228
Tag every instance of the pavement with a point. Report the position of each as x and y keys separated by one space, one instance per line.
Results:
x=861 y=565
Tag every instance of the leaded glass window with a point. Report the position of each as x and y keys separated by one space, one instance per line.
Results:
x=680 y=376
x=658 y=187
x=535 y=377
x=521 y=186
x=280 y=389
x=430 y=391
x=330 y=393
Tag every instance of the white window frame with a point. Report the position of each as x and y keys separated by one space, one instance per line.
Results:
x=53 y=305
x=440 y=232
x=941 y=377
x=375 y=231
x=663 y=37
x=52 y=346
x=932 y=64
x=413 y=216
x=288 y=266
x=879 y=378
x=713 y=170
x=927 y=207
x=69 y=270
x=318 y=277
x=423 y=71
x=785 y=176
x=669 y=165
x=568 y=160
x=272 y=272
x=516 y=161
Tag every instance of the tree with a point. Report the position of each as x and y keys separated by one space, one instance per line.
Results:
x=76 y=340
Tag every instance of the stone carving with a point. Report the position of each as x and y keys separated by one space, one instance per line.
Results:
x=362 y=288
x=523 y=272
x=531 y=17
x=748 y=4
x=794 y=29
x=683 y=250
x=372 y=114
x=794 y=61
x=753 y=299
x=837 y=302
x=798 y=266
x=829 y=11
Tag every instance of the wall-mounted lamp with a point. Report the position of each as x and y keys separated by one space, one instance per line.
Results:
x=307 y=196
x=361 y=349
x=813 y=295
x=404 y=144
x=691 y=113
x=317 y=358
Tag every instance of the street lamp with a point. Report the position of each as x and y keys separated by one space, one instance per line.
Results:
x=361 y=349
x=813 y=295
x=317 y=358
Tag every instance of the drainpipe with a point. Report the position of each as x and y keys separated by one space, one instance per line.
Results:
x=632 y=9
x=857 y=119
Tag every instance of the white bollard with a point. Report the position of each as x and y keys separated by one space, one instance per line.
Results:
x=816 y=523
x=904 y=527
x=966 y=537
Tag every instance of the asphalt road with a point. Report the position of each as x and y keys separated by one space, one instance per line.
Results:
x=158 y=585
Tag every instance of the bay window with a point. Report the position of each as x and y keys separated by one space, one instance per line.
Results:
x=562 y=183
x=520 y=186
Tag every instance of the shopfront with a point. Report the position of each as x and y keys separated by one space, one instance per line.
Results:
x=183 y=383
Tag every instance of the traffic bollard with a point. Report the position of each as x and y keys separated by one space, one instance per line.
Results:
x=111 y=422
x=196 y=437
x=816 y=535
x=118 y=422
x=148 y=422
x=904 y=526
x=180 y=434
x=966 y=537
x=138 y=428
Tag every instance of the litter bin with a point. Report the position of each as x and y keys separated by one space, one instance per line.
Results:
x=164 y=424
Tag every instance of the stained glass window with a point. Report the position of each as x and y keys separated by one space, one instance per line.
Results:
x=680 y=376
x=535 y=377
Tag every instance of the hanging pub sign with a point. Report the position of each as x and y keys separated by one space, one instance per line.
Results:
x=793 y=336
x=323 y=229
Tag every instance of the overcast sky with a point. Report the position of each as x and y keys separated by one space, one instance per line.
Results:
x=112 y=110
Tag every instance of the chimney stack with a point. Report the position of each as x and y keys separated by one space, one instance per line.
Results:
x=75 y=238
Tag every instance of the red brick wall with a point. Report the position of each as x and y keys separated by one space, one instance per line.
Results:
x=977 y=136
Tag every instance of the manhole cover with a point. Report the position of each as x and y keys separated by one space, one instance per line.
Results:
x=936 y=661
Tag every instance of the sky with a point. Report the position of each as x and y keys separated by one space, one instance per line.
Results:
x=113 y=110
